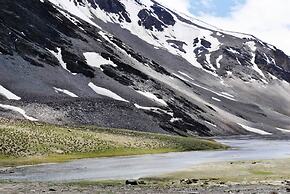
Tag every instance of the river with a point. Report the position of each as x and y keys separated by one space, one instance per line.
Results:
x=133 y=167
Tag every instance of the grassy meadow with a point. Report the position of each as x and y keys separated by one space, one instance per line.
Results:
x=23 y=143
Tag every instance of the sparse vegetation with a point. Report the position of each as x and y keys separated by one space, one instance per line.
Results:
x=24 y=142
x=246 y=172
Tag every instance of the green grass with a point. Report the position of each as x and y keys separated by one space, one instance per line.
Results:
x=23 y=143
x=262 y=173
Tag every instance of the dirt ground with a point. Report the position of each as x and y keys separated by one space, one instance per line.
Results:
x=27 y=188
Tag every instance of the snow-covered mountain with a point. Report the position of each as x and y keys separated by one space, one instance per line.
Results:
x=136 y=64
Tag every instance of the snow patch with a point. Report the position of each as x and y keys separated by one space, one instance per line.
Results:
x=71 y=18
x=227 y=94
x=106 y=92
x=211 y=124
x=223 y=82
x=252 y=45
x=184 y=74
x=219 y=34
x=9 y=95
x=216 y=99
x=283 y=130
x=254 y=130
x=58 y=55
x=96 y=60
x=233 y=51
x=207 y=56
x=104 y=35
x=153 y=97
x=57 y=90
x=218 y=60
x=229 y=73
x=272 y=76
x=172 y=120
x=239 y=62
x=267 y=58
x=257 y=69
x=207 y=89
x=19 y=110
x=155 y=109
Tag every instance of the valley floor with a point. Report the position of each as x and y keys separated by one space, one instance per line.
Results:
x=30 y=143
x=268 y=176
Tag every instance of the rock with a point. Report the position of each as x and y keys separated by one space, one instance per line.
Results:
x=140 y=182
x=51 y=189
x=188 y=181
x=59 y=151
x=131 y=182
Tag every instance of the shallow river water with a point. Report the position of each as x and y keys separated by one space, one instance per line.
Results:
x=133 y=167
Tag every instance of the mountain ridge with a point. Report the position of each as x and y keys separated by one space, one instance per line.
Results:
x=170 y=80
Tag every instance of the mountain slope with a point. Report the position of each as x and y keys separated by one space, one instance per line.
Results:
x=136 y=64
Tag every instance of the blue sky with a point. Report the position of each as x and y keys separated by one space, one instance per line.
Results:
x=221 y=8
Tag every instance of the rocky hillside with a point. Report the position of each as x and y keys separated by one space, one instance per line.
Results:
x=135 y=64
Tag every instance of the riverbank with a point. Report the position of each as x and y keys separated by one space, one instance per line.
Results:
x=234 y=172
x=28 y=143
x=247 y=177
x=255 y=176
x=9 y=188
